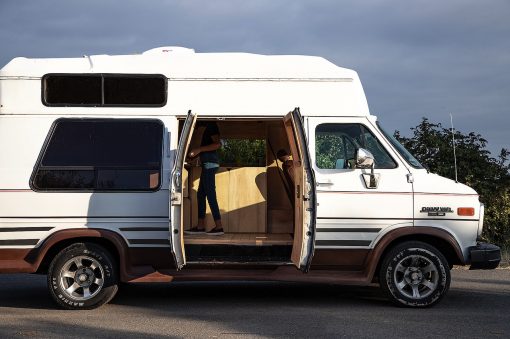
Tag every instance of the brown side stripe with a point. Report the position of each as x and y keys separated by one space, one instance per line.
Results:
x=17 y=242
x=395 y=193
x=360 y=230
x=342 y=242
x=357 y=218
x=25 y=229
x=86 y=217
x=145 y=229
x=149 y=241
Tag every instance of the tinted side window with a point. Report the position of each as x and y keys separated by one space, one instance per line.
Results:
x=381 y=156
x=104 y=90
x=120 y=90
x=101 y=154
x=336 y=145
x=69 y=90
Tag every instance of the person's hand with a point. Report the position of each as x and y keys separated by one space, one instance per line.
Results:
x=194 y=152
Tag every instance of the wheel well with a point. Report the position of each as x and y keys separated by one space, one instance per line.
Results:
x=59 y=246
x=440 y=244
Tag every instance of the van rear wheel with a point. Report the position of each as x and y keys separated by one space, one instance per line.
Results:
x=82 y=276
x=414 y=274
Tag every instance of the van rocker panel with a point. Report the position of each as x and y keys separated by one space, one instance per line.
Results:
x=342 y=266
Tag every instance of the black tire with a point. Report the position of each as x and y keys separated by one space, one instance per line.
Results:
x=414 y=274
x=83 y=276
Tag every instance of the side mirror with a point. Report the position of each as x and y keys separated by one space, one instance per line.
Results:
x=364 y=159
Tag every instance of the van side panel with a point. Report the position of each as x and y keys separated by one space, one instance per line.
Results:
x=133 y=262
x=28 y=218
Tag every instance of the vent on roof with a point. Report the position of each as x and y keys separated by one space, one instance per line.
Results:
x=170 y=49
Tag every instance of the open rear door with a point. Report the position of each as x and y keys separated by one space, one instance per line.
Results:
x=305 y=209
x=176 y=203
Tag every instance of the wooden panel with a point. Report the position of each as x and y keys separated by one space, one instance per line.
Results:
x=277 y=197
x=185 y=182
x=280 y=221
x=186 y=218
x=241 y=194
x=298 y=181
x=247 y=204
x=279 y=207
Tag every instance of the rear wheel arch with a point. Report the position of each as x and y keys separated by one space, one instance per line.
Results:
x=59 y=246
x=60 y=240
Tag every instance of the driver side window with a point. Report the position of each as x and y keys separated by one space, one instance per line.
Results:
x=336 y=145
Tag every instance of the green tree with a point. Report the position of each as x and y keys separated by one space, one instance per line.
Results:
x=243 y=152
x=431 y=144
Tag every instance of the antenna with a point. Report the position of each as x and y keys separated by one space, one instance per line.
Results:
x=453 y=142
x=90 y=61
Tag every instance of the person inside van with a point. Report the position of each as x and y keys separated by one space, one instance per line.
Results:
x=207 y=187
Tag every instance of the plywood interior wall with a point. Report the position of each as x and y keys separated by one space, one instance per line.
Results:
x=241 y=194
x=280 y=211
x=247 y=200
x=251 y=199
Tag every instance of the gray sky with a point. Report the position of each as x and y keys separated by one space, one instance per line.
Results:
x=415 y=58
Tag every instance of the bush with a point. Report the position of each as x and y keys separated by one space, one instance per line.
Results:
x=431 y=144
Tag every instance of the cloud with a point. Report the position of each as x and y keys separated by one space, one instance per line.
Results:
x=415 y=58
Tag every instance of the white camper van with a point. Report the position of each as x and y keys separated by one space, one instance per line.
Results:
x=96 y=187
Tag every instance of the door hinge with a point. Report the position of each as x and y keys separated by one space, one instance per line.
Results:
x=176 y=198
x=410 y=178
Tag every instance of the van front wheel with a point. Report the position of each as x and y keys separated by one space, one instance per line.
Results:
x=82 y=276
x=414 y=274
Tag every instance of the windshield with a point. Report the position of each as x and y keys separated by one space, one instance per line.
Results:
x=400 y=149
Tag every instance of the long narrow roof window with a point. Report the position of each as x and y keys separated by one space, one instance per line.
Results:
x=104 y=90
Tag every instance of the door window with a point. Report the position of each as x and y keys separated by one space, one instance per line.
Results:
x=336 y=146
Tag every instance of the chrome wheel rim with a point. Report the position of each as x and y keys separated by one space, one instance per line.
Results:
x=416 y=277
x=81 y=278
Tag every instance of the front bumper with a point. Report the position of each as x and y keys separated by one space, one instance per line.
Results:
x=484 y=256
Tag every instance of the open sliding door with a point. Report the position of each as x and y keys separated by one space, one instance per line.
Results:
x=176 y=203
x=305 y=207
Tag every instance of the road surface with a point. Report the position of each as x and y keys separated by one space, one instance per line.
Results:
x=478 y=305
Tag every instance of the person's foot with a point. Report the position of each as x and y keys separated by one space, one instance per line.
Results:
x=195 y=230
x=215 y=231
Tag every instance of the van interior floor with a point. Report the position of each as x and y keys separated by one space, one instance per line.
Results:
x=240 y=239
x=238 y=247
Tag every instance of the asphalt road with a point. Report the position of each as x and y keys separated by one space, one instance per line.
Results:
x=478 y=305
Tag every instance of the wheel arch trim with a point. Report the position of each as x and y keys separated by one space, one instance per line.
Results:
x=398 y=235
x=38 y=254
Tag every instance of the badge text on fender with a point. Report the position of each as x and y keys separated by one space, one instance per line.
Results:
x=436 y=211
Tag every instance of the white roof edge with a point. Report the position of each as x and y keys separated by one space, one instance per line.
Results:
x=180 y=62
x=241 y=84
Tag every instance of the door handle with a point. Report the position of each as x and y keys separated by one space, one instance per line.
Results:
x=325 y=183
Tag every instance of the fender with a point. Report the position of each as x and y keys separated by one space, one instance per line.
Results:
x=36 y=255
x=375 y=256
